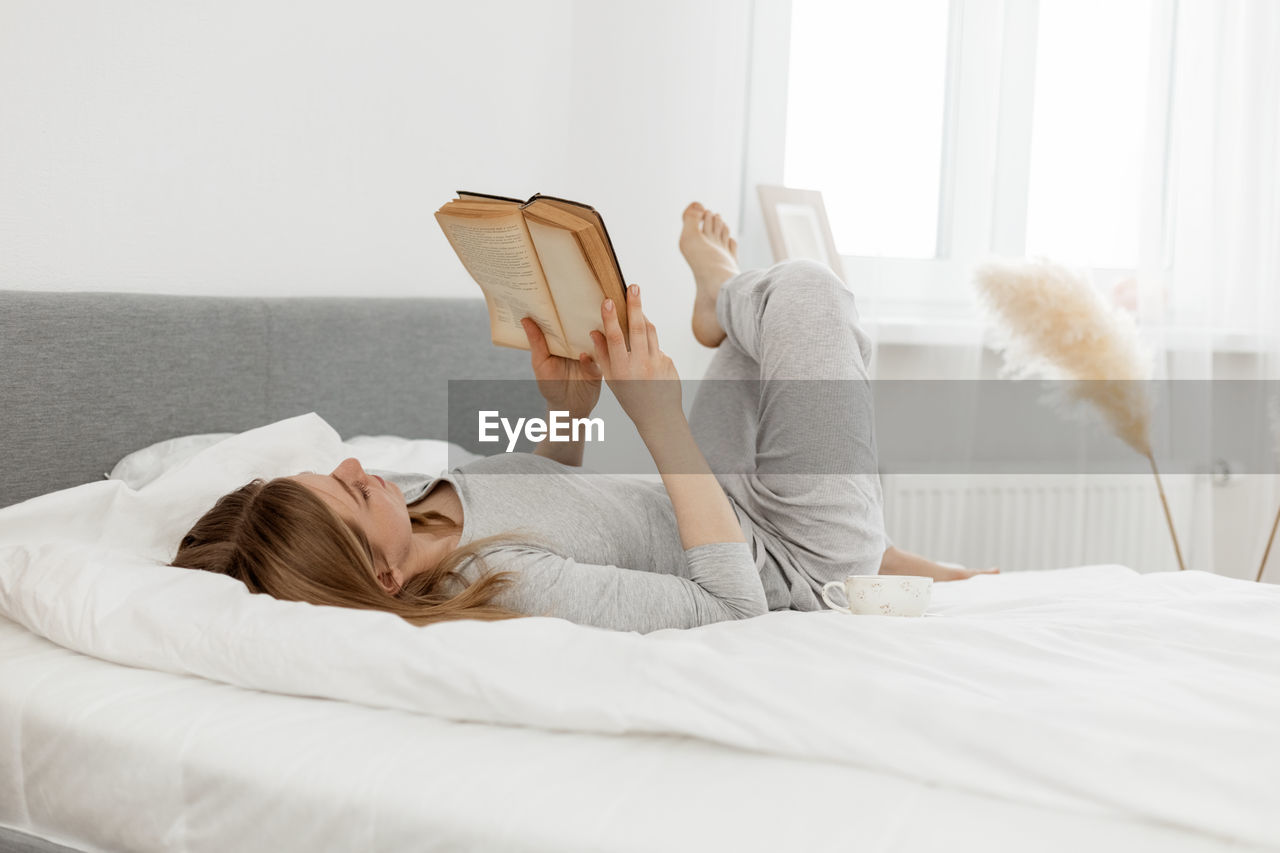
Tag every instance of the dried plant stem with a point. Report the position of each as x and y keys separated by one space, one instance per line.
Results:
x=1267 y=551
x=1168 y=516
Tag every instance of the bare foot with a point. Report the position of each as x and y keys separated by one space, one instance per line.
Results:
x=713 y=256
x=958 y=573
x=895 y=561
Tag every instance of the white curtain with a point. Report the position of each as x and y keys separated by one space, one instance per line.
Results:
x=1206 y=294
x=1211 y=228
x=1209 y=279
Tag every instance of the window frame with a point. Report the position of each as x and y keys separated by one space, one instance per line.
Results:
x=986 y=152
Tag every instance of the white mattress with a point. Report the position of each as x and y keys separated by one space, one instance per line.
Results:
x=1046 y=710
x=101 y=756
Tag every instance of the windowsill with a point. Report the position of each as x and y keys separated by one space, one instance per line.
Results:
x=1238 y=341
x=904 y=330
x=925 y=332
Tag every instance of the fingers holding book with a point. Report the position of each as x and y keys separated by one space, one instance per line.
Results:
x=538 y=349
x=638 y=322
x=566 y=384
x=628 y=372
x=644 y=360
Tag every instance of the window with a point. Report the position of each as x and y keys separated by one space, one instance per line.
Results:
x=875 y=150
x=942 y=131
x=1088 y=131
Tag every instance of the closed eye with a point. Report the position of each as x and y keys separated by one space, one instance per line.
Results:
x=362 y=487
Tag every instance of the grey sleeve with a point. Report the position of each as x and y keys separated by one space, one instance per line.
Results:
x=723 y=584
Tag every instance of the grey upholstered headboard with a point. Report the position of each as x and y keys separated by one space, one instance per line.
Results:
x=85 y=378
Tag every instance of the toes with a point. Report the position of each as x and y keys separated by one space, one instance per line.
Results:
x=712 y=225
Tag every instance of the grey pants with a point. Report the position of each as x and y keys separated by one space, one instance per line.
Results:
x=785 y=419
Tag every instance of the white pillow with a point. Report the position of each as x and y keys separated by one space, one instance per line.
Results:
x=382 y=452
x=142 y=466
x=408 y=455
x=151 y=519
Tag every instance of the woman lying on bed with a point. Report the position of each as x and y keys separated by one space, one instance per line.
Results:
x=803 y=508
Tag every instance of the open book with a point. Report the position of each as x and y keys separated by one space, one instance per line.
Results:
x=545 y=258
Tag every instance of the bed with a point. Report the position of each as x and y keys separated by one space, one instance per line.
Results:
x=1090 y=706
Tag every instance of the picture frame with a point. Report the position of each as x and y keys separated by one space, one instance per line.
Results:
x=797 y=224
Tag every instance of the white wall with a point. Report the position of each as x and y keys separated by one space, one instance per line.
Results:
x=659 y=105
x=290 y=148
x=280 y=147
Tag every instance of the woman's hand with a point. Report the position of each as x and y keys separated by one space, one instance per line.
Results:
x=648 y=388
x=567 y=385
x=630 y=374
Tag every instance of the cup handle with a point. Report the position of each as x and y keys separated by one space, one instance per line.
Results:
x=828 y=600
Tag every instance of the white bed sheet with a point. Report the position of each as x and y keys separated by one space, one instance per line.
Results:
x=1094 y=691
x=106 y=757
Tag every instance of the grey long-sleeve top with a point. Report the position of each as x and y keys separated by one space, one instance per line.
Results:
x=595 y=549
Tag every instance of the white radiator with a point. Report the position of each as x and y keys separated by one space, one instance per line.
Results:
x=1022 y=522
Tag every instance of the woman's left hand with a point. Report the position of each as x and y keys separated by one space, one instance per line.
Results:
x=567 y=385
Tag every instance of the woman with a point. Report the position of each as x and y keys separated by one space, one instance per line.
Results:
x=794 y=500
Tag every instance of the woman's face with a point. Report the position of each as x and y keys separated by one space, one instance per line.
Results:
x=375 y=507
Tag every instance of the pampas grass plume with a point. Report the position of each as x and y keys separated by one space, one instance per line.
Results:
x=1050 y=322
x=1273 y=415
x=1273 y=418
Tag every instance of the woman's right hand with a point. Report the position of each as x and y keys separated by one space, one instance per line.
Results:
x=630 y=374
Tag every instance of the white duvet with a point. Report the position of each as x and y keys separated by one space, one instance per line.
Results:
x=1154 y=697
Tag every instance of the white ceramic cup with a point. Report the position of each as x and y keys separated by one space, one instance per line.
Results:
x=876 y=595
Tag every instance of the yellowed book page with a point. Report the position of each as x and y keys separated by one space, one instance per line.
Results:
x=464 y=196
x=574 y=288
x=478 y=208
x=589 y=227
x=500 y=256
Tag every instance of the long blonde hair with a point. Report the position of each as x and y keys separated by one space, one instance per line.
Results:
x=278 y=538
